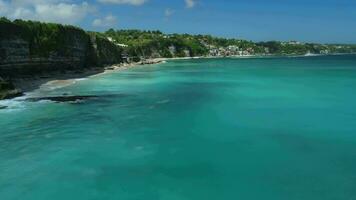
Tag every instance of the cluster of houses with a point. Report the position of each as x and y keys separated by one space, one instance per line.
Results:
x=292 y=43
x=231 y=50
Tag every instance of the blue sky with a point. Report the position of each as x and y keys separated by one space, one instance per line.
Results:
x=326 y=21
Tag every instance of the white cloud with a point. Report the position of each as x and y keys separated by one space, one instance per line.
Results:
x=3 y=7
x=22 y=13
x=108 y=21
x=35 y=2
x=63 y=12
x=130 y=2
x=60 y=11
x=168 y=12
x=190 y=3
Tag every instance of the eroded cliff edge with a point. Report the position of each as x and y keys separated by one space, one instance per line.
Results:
x=30 y=50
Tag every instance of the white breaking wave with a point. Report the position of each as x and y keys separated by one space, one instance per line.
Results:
x=13 y=104
x=81 y=79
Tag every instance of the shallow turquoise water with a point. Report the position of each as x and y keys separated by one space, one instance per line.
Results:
x=275 y=129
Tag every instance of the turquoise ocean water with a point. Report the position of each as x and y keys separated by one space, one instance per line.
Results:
x=219 y=129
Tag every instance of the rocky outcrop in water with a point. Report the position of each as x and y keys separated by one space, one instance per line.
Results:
x=59 y=99
x=7 y=90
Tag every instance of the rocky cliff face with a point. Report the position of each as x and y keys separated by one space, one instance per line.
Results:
x=103 y=52
x=28 y=49
x=33 y=49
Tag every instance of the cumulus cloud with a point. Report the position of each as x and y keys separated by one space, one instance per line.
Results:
x=46 y=10
x=168 y=12
x=190 y=3
x=108 y=21
x=129 y=2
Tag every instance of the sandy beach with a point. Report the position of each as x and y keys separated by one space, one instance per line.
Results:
x=59 y=80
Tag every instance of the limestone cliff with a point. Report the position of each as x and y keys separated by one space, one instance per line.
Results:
x=32 y=48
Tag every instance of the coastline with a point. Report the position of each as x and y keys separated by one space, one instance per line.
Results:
x=57 y=80
x=60 y=80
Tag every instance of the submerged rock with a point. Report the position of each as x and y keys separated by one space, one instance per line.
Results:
x=2 y=107
x=60 y=99
x=8 y=94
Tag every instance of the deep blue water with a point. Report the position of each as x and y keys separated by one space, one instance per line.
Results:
x=250 y=129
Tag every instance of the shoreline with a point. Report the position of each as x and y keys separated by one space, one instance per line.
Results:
x=38 y=84
x=57 y=80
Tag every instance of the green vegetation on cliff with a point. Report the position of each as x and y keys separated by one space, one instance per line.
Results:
x=56 y=42
x=157 y=44
x=43 y=38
